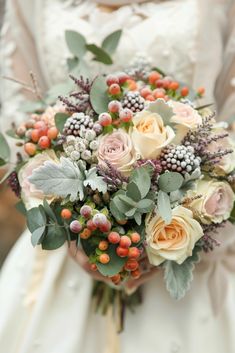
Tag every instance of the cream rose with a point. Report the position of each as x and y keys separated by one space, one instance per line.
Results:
x=149 y=135
x=185 y=118
x=174 y=241
x=118 y=150
x=215 y=203
x=30 y=195
x=226 y=164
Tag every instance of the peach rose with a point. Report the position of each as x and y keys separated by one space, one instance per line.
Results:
x=149 y=135
x=174 y=241
x=216 y=201
x=118 y=150
x=30 y=195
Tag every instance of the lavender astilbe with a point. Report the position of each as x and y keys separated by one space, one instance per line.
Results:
x=208 y=242
x=201 y=138
x=111 y=176
x=14 y=184
x=79 y=101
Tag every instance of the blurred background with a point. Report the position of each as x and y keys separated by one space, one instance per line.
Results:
x=12 y=222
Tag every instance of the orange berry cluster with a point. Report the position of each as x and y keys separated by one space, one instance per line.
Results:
x=37 y=134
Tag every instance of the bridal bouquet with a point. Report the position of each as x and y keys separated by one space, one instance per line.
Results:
x=130 y=168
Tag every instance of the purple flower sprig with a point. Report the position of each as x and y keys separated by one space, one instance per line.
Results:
x=14 y=184
x=208 y=242
x=113 y=178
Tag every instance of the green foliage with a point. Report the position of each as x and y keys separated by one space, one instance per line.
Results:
x=60 y=119
x=179 y=277
x=111 y=42
x=164 y=206
x=66 y=179
x=232 y=216
x=54 y=238
x=21 y=207
x=4 y=150
x=135 y=200
x=114 y=266
x=170 y=181
x=76 y=43
x=100 y=54
x=98 y=95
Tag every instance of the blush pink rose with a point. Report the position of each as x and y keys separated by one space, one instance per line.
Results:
x=118 y=150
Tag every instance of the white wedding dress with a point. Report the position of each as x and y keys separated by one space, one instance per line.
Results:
x=45 y=298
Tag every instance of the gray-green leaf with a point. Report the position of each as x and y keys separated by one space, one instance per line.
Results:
x=76 y=43
x=110 y=43
x=170 y=181
x=98 y=95
x=54 y=238
x=133 y=191
x=37 y=235
x=4 y=150
x=36 y=218
x=163 y=109
x=100 y=54
x=179 y=277
x=164 y=206
x=60 y=119
x=142 y=179
x=59 y=179
x=95 y=181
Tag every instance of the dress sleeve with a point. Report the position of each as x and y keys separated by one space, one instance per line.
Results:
x=18 y=58
x=225 y=85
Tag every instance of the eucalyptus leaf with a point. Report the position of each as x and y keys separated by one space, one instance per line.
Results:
x=170 y=181
x=72 y=63
x=110 y=43
x=95 y=181
x=127 y=200
x=21 y=208
x=100 y=54
x=76 y=43
x=37 y=235
x=133 y=191
x=54 y=238
x=98 y=95
x=36 y=218
x=116 y=212
x=131 y=212
x=59 y=179
x=12 y=134
x=122 y=206
x=178 y=277
x=4 y=149
x=141 y=177
x=60 y=119
x=138 y=218
x=145 y=205
x=114 y=266
x=48 y=210
x=164 y=206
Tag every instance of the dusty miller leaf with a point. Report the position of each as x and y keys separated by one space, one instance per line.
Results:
x=95 y=181
x=59 y=179
x=163 y=109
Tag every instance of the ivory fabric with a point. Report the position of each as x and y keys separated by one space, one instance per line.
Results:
x=45 y=298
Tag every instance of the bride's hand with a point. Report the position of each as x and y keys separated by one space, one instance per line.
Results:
x=82 y=260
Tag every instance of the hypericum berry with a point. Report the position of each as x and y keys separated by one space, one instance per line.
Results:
x=105 y=227
x=122 y=221
x=93 y=267
x=114 y=106
x=75 y=226
x=123 y=77
x=136 y=274
x=125 y=241
x=174 y=85
x=159 y=93
x=105 y=119
x=145 y=92
x=86 y=211
x=159 y=83
x=30 y=148
x=111 y=79
x=132 y=85
x=30 y=123
x=90 y=225
x=35 y=135
x=126 y=115
x=114 y=89
x=39 y=125
x=52 y=133
x=184 y=91
x=114 y=238
x=116 y=279
x=135 y=237
x=103 y=245
x=131 y=265
x=150 y=98
x=104 y=258
x=66 y=213
x=85 y=234
x=201 y=91
x=21 y=131
x=153 y=77
x=134 y=253
x=99 y=219
x=44 y=142
x=122 y=252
